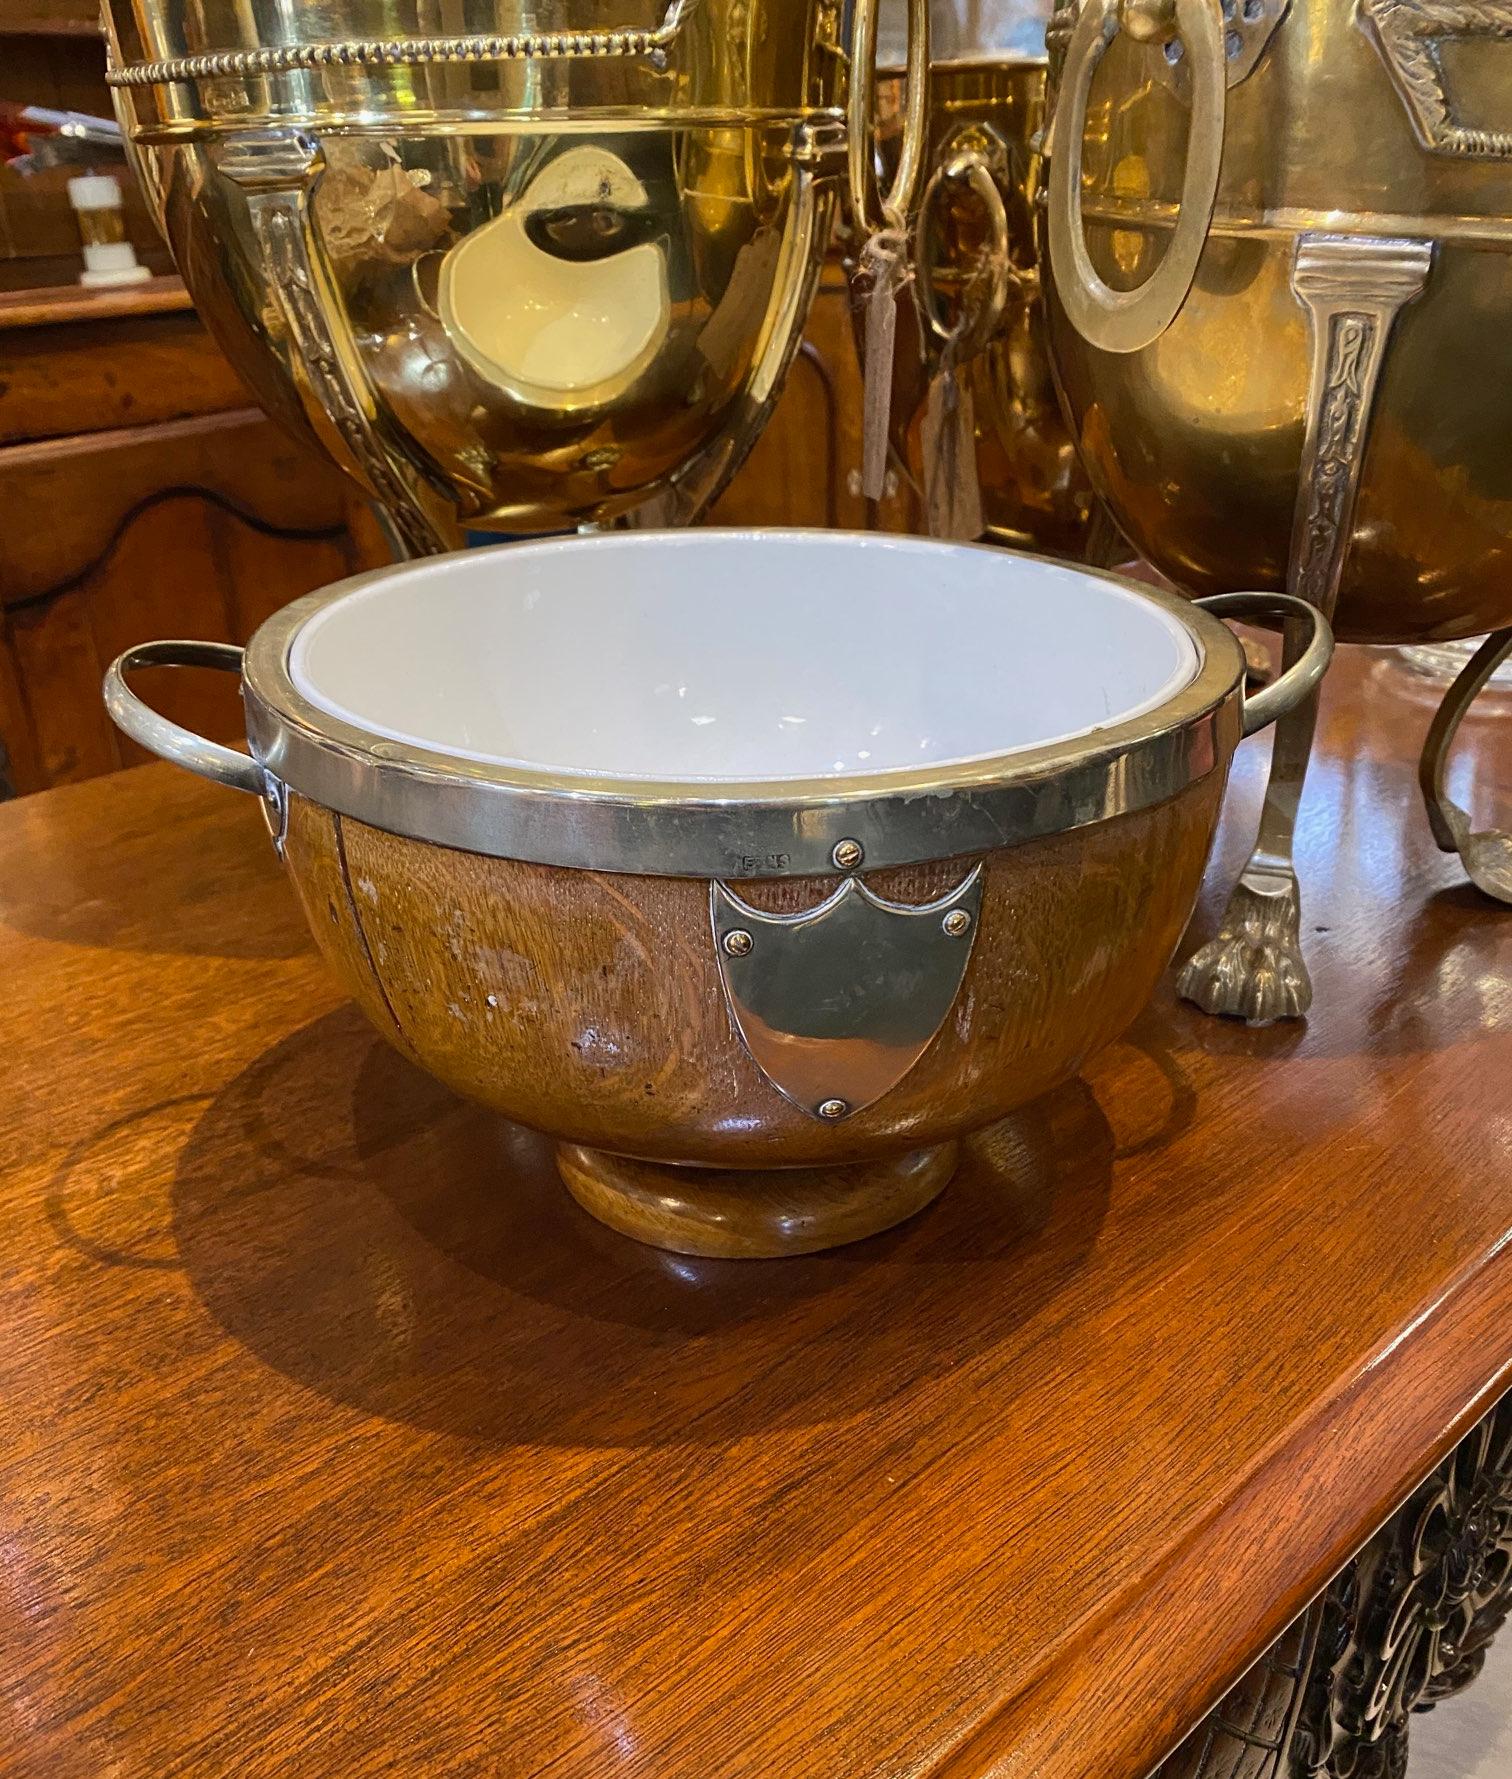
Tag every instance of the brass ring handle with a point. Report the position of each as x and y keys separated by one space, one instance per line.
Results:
x=1488 y=856
x=1129 y=320
x=1288 y=689
x=870 y=209
x=169 y=741
x=968 y=165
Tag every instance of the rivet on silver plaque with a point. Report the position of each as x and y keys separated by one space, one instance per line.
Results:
x=837 y=1004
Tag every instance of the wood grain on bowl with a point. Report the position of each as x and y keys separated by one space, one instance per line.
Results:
x=589 y=1004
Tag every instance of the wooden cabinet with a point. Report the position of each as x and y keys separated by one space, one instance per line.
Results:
x=141 y=492
x=141 y=495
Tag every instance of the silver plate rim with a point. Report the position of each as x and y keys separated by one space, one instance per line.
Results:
x=782 y=828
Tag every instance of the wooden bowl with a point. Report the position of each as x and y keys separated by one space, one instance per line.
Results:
x=756 y=868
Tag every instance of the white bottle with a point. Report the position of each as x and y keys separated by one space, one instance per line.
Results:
x=109 y=258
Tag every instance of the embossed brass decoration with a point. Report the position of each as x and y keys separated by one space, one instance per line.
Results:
x=287 y=58
x=274 y=167
x=1411 y=35
x=837 y=1004
x=1353 y=290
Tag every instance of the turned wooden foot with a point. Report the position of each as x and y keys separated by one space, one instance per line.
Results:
x=730 y=1214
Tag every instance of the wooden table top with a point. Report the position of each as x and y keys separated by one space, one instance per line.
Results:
x=335 y=1440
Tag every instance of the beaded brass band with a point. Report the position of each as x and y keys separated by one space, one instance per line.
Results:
x=406 y=53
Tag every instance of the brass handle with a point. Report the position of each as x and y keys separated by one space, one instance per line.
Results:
x=870 y=209
x=1288 y=689
x=970 y=166
x=1129 y=320
x=1450 y=823
x=169 y=741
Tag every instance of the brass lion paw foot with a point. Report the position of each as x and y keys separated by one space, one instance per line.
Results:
x=1254 y=969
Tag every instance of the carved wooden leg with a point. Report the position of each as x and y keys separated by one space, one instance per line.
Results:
x=1353 y=289
x=1249 y=1734
x=1410 y=1620
x=1406 y=1624
x=1487 y=856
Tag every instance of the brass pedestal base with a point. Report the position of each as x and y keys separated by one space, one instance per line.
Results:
x=741 y=1214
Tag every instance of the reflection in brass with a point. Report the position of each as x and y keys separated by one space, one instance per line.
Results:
x=273 y=167
x=1487 y=856
x=515 y=279
x=984 y=120
x=977 y=159
x=1205 y=442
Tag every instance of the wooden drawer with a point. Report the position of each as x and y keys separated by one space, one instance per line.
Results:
x=129 y=359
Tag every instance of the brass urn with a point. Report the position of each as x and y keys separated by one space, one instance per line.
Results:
x=1281 y=244
x=973 y=331
x=514 y=268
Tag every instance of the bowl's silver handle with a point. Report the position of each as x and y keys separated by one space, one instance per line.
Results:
x=1289 y=688
x=168 y=740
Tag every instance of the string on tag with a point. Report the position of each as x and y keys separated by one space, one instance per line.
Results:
x=884 y=265
x=952 y=489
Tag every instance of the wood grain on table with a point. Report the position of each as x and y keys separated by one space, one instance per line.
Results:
x=334 y=1439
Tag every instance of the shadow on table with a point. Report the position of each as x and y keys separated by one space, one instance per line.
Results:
x=384 y=1243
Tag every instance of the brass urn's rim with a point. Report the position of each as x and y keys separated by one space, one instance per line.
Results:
x=782 y=828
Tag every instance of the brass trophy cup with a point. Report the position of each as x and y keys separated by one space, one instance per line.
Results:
x=973 y=399
x=1279 y=234
x=510 y=278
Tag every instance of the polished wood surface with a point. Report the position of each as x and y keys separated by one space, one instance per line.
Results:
x=335 y=1439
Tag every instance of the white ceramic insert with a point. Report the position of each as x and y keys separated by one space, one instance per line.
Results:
x=730 y=656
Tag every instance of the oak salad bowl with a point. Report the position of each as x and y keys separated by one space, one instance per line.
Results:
x=755 y=867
